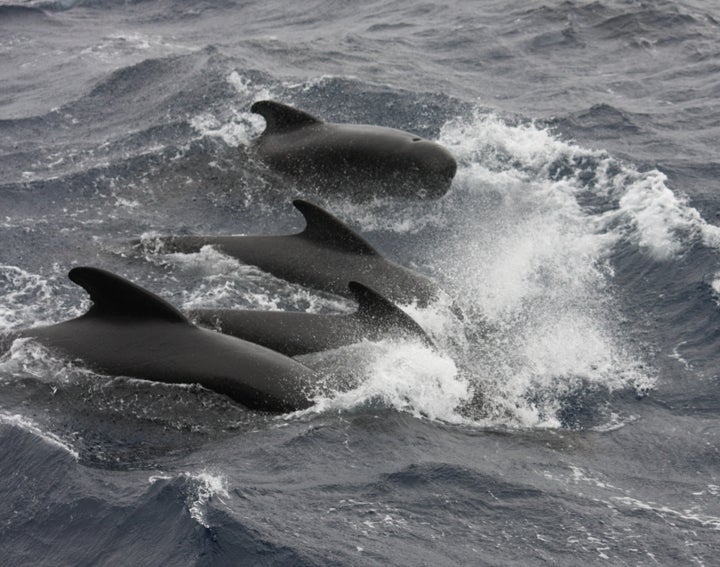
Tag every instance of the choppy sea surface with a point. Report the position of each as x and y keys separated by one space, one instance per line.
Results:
x=571 y=412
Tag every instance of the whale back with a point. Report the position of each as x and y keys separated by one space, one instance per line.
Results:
x=327 y=230
x=377 y=310
x=281 y=118
x=116 y=297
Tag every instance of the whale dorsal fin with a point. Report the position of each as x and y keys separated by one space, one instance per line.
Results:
x=281 y=117
x=325 y=229
x=113 y=296
x=380 y=311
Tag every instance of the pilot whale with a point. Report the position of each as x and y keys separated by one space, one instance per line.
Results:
x=327 y=255
x=129 y=331
x=360 y=159
x=297 y=333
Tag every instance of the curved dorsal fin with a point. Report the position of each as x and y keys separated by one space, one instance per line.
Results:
x=113 y=296
x=281 y=117
x=324 y=228
x=382 y=312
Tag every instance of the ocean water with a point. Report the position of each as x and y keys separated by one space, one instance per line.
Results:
x=571 y=412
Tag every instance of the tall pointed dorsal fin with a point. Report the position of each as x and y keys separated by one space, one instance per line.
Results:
x=325 y=229
x=373 y=307
x=281 y=117
x=113 y=296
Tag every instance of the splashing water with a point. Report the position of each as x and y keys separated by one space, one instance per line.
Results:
x=523 y=244
x=406 y=376
x=528 y=260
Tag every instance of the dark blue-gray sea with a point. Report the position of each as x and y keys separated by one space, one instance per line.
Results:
x=571 y=413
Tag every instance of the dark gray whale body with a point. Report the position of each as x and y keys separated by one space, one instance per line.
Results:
x=295 y=333
x=358 y=159
x=327 y=255
x=131 y=332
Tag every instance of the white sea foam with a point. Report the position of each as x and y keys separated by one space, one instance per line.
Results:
x=237 y=130
x=529 y=265
x=200 y=489
x=407 y=376
x=664 y=223
x=246 y=87
x=715 y=286
x=646 y=211
x=27 y=357
x=152 y=479
x=204 y=486
x=24 y=297
x=235 y=126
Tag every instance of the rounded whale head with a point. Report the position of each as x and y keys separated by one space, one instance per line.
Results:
x=361 y=159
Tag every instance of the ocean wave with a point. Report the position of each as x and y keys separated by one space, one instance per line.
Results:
x=62 y=5
x=664 y=19
x=603 y=121
x=14 y=12
x=29 y=426
x=660 y=21
x=624 y=202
